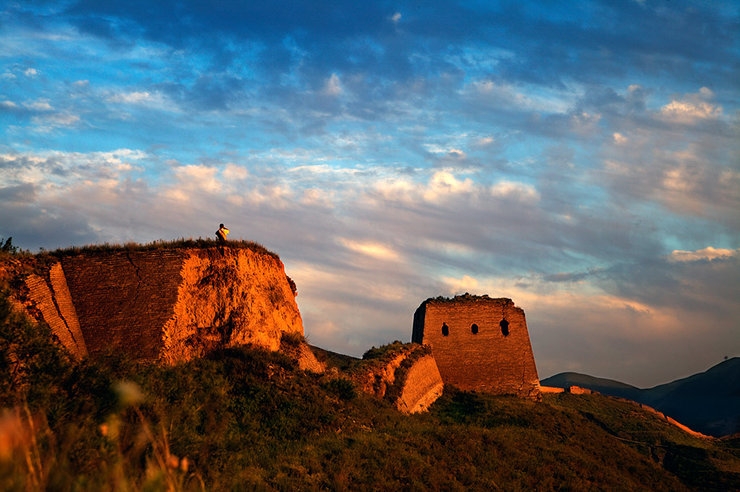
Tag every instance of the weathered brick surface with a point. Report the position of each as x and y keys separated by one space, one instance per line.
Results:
x=230 y=297
x=409 y=378
x=497 y=359
x=166 y=304
x=66 y=309
x=422 y=386
x=124 y=298
x=52 y=299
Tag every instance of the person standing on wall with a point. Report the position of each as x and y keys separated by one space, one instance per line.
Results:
x=221 y=233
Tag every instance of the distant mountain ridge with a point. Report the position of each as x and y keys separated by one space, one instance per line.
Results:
x=707 y=402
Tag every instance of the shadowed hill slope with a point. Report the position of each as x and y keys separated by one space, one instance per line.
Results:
x=708 y=402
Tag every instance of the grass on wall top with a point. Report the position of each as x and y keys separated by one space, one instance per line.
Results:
x=181 y=243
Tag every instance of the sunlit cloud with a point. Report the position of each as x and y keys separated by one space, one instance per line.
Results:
x=518 y=191
x=619 y=139
x=444 y=184
x=706 y=254
x=692 y=108
x=372 y=249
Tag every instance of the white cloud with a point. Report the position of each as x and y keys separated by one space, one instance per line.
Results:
x=687 y=112
x=370 y=248
x=444 y=184
x=40 y=105
x=456 y=286
x=153 y=100
x=527 y=98
x=706 y=254
x=136 y=97
x=198 y=176
x=691 y=108
x=619 y=139
x=233 y=172
x=48 y=122
x=333 y=86
x=519 y=191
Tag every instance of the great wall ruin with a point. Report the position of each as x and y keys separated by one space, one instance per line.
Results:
x=479 y=343
x=164 y=305
x=169 y=305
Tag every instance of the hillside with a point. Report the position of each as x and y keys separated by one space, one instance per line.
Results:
x=251 y=419
x=77 y=415
x=604 y=386
x=708 y=402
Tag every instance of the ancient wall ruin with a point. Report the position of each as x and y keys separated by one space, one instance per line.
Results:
x=168 y=305
x=407 y=376
x=479 y=343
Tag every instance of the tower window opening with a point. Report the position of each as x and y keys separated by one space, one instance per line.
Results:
x=445 y=330
x=504 y=327
x=474 y=328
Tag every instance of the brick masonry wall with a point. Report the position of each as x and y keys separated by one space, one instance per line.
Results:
x=422 y=387
x=496 y=359
x=51 y=297
x=175 y=304
x=124 y=298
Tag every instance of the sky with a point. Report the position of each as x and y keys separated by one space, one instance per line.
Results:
x=580 y=158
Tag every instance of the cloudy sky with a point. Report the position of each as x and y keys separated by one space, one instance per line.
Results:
x=583 y=160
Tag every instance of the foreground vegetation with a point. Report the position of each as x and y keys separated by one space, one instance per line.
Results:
x=250 y=420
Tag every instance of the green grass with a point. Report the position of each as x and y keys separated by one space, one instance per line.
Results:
x=244 y=419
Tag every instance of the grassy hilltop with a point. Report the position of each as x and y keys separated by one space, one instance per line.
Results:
x=244 y=419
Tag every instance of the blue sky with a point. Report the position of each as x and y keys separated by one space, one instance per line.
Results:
x=583 y=160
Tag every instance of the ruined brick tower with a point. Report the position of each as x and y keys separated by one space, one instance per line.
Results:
x=479 y=344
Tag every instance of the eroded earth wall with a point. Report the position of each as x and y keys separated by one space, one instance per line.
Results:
x=165 y=304
x=479 y=344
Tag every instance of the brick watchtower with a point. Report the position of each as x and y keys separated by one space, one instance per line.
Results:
x=479 y=344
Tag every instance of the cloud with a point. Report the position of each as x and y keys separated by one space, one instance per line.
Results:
x=48 y=123
x=333 y=86
x=517 y=191
x=619 y=139
x=136 y=97
x=370 y=248
x=691 y=108
x=443 y=184
x=706 y=254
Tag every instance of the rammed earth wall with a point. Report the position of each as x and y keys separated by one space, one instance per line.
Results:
x=479 y=344
x=164 y=304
